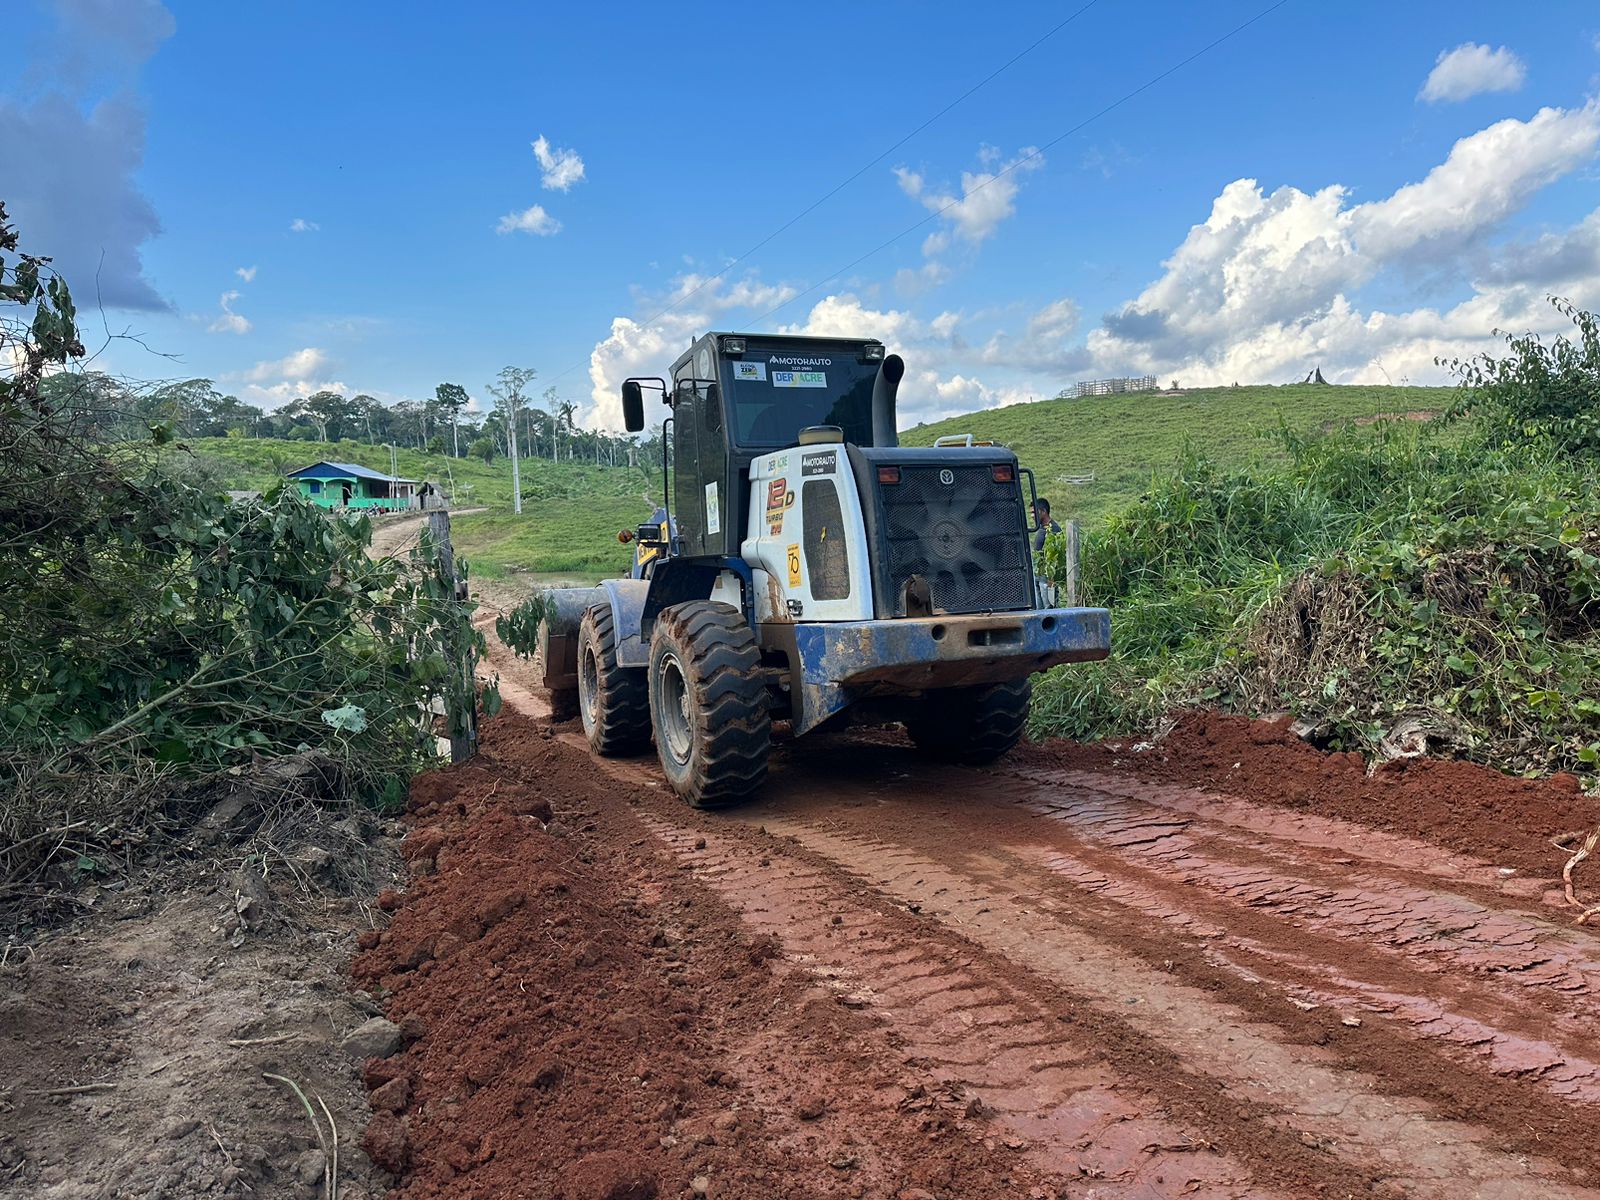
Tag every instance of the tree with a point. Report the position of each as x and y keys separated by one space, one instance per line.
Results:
x=482 y=448
x=452 y=398
x=366 y=407
x=510 y=392
x=565 y=411
x=330 y=412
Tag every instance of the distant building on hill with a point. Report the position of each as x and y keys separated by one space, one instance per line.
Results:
x=1109 y=387
x=346 y=485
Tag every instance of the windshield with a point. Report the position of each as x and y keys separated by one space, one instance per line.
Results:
x=775 y=393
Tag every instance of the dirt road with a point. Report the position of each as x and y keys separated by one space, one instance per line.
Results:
x=1028 y=981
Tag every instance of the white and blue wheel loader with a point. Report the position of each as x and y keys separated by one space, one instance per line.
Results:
x=807 y=569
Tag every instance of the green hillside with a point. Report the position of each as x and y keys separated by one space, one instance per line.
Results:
x=571 y=511
x=1120 y=439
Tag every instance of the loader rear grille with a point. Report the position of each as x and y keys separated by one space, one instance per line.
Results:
x=966 y=539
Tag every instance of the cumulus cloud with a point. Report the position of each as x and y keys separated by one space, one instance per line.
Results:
x=227 y=320
x=559 y=169
x=248 y=274
x=74 y=140
x=1470 y=70
x=986 y=199
x=532 y=219
x=1262 y=289
x=647 y=345
x=277 y=381
x=297 y=365
x=301 y=225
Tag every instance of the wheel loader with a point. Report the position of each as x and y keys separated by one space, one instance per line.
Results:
x=807 y=569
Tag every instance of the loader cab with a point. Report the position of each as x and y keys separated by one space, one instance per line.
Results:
x=735 y=397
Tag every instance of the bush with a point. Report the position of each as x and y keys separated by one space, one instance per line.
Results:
x=161 y=632
x=1441 y=576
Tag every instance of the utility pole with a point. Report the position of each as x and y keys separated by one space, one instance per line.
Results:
x=516 y=471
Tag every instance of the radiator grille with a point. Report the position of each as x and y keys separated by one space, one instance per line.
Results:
x=966 y=539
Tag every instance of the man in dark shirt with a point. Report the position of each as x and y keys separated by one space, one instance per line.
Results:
x=1041 y=518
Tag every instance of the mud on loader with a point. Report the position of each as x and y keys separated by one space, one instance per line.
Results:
x=808 y=569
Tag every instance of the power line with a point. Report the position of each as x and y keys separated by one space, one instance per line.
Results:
x=834 y=191
x=1079 y=127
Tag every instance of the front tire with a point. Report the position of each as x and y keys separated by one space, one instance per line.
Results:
x=708 y=704
x=971 y=725
x=613 y=701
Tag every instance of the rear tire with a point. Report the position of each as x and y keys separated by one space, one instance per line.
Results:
x=971 y=725
x=708 y=704
x=613 y=701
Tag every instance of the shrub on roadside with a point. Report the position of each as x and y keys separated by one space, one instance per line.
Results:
x=1444 y=575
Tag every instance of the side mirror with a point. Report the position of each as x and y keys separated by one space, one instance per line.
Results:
x=632 y=406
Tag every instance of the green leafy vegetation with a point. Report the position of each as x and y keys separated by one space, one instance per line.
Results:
x=1439 y=578
x=1112 y=445
x=162 y=637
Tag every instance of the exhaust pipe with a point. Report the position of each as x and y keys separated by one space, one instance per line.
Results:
x=884 y=389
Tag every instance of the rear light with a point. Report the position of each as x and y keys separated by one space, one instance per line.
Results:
x=888 y=474
x=1005 y=473
x=872 y=352
x=733 y=345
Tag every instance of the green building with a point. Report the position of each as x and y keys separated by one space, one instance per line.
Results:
x=346 y=485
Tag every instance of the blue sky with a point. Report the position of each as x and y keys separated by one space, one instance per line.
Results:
x=295 y=195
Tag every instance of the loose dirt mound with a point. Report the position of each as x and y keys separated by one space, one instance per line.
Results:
x=1464 y=807
x=588 y=1022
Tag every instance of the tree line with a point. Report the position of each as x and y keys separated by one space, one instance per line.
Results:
x=515 y=427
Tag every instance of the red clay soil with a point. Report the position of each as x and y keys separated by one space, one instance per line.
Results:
x=1468 y=808
x=586 y=1021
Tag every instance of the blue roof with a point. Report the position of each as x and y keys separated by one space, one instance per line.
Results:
x=351 y=469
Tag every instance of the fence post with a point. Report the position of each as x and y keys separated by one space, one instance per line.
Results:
x=1069 y=582
x=463 y=744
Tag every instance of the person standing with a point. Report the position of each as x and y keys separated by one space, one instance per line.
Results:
x=1041 y=518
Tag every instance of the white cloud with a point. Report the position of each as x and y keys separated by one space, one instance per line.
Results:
x=642 y=346
x=279 y=380
x=532 y=219
x=229 y=321
x=248 y=274
x=1470 y=70
x=559 y=169
x=301 y=225
x=986 y=198
x=1262 y=291
x=81 y=138
x=1487 y=177
x=1268 y=286
x=297 y=365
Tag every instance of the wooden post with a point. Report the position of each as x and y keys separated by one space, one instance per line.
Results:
x=462 y=744
x=1069 y=584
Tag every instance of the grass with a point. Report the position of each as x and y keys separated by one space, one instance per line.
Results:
x=571 y=511
x=1123 y=440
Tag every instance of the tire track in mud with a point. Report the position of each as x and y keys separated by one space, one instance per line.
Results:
x=1301 y=1088
x=1207 y=951
x=969 y=1026
x=1512 y=989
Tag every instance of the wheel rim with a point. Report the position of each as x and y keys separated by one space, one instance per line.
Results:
x=677 y=729
x=588 y=686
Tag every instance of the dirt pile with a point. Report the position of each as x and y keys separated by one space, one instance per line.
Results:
x=1462 y=806
x=585 y=1020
